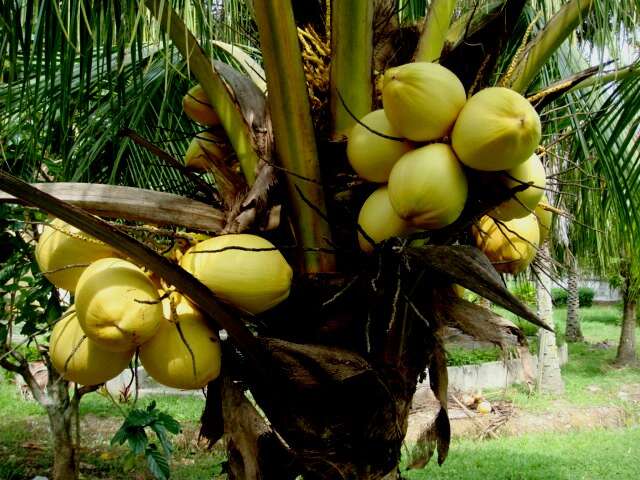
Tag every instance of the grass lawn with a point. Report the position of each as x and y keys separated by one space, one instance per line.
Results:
x=590 y=455
x=589 y=377
x=590 y=380
x=25 y=450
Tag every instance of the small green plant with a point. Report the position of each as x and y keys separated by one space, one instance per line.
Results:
x=461 y=356
x=559 y=296
x=525 y=291
x=134 y=432
x=585 y=296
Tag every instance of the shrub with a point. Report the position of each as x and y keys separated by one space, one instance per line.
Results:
x=526 y=292
x=585 y=296
x=457 y=356
x=559 y=296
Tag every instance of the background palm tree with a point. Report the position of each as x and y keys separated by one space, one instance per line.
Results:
x=80 y=77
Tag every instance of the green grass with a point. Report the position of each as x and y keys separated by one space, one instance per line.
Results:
x=590 y=376
x=184 y=408
x=25 y=452
x=573 y=456
x=25 y=449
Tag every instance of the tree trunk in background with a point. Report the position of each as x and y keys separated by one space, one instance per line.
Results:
x=62 y=411
x=549 y=376
x=64 y=452
x=573 y=332
x=627 y=346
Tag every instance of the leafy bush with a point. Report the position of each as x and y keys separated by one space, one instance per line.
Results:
x=526 y=292
x=462 y=356
x=585 y=295
x=559 y=296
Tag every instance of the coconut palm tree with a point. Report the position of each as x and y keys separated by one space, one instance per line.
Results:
x=92 y=93
x=601 y=230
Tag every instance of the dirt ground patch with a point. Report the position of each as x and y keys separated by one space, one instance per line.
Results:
x=506 y=420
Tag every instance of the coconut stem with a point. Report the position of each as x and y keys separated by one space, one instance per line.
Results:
x=434 y=31
x=293 y=131
x=351 y=63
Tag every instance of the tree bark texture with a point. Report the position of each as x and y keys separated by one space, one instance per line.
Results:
x=61 y=410
x=573 y=332
x=627 y=347
x=549 y=376
x=64 y=451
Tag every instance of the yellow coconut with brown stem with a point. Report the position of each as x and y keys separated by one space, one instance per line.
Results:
x=198 y=108
x=370 y=154
x=241 y=269
x=545 y=218
x=422 y=100
x=185 y=352
x=63 y=252
x=206 y=150
x=497 y=129
x=379 y=220
x=428 y=187
x=117 y=304
x=530 y=172
x=510 y=246
x=79 y=359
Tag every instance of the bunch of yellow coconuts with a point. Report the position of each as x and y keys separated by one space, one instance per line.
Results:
x=425 y=141
x=210 y=146
x=120 y=308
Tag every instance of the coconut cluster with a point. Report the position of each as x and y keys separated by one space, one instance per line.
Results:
x=425 y=144
x=120 y=308
x=211 y=146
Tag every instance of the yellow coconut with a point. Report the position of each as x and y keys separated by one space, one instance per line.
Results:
x=185 y=353
x=422 y=100
x=205 y=149
x=371 y=155
x=545 y=219
x=497 y=129
x=511 y=246
x=379 y=220
x=524 y=202
x=117 y=305
x=428 y=187
x=253 y=281
x=78 y=358
x=63 y=252
x=197 y=107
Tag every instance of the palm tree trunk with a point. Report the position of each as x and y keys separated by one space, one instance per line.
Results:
x=627 y=347
x=549 y=376
x=573 y=332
